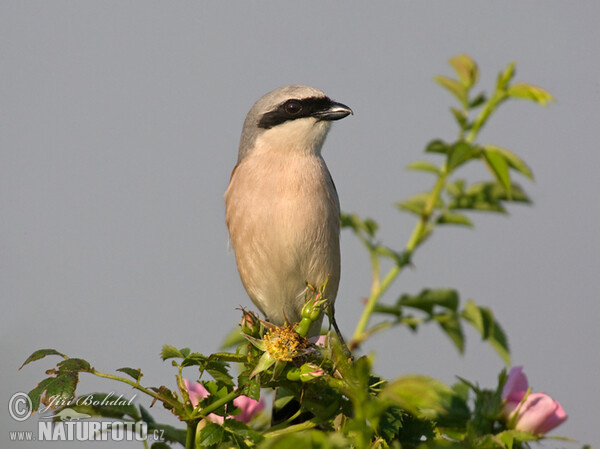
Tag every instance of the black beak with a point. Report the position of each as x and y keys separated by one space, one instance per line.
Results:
x=335 y=111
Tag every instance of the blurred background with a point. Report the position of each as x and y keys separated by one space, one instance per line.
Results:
x=119 y=128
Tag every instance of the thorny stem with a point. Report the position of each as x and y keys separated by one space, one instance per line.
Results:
x=421 y=228
x=137 y=386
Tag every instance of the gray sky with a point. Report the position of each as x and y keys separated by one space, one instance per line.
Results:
x=119 y=128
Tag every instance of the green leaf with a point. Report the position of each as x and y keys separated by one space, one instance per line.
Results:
x=454 y=219
x=509 y=437
x=390 y=423
x=218 y=370
x=416 y=203
x=454 y=87
x=74 y=365
x=264 y=363
x=483 y=320
x=530 y=92
x=423 y=166
x=460 y=153
x=135 y=373
x=234 y=338
x=54 y=390
x=239 y=429
x=486 y=196
x=427 y=397
x=211 y=434
x=169 y=433
x=461 y=118
x=506 y=76
x=450 y=324
x=106 y=406
x=160 y=445
x=478 y=101
x=437 y=146
x=514 y=161
x=427 y=299
x=40 y=354
x=499 y=168
x=170 y=352
x=466 y=69
x=359 y=225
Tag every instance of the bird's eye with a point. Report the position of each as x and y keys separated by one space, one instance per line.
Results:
x=292 y=107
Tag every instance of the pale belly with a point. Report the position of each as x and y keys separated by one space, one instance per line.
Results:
x=284 y=229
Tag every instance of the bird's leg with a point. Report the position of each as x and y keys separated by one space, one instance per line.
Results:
x=331 y=316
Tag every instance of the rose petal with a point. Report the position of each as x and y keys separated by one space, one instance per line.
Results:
x=516 y=385
x=196 y=391
x=539 y=414
x=248 y=406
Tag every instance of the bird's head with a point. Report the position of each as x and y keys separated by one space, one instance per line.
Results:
x=292 y=119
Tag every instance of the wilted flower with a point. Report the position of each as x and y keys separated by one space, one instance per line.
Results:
x=248 y=406
x=537 y=414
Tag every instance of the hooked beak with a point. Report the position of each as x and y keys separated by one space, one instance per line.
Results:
x=335 y=111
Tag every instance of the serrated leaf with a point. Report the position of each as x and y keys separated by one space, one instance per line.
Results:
x=499 y=168
x=465 y=68
x=423 y=166
x=437 y=146
x=40 y=354
x=228 y=357
x=514 y=161
x=390 y=423
x=454 y=87
x=218 y=370
x=460 y=153
x=194 y=359
x=74 y=365
x=170 y=352
x=483 y=320
x=135 y=373
x=427 y=299
x=54 y=390
x=211 y=434
x=454 y=219
x=450 y=324
x=429 y=398
x=239 y=428
x=530 y=92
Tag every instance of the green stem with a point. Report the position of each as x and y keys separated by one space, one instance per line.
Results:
x=215 y=405
x=137 y=386
x=190 y=437
x=290 y=429
x=414 y=241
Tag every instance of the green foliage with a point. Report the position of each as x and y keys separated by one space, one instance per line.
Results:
x=341 y=401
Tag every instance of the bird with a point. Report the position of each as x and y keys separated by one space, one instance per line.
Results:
x=281 y=206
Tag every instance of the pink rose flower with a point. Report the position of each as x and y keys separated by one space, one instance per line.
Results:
x=248 y=406
x=538 y=414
